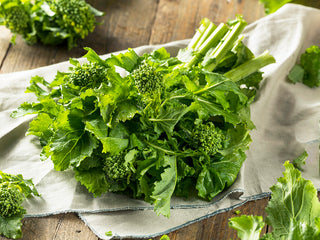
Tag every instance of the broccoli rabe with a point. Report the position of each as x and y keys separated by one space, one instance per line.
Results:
x=49 y=21
x=16 y=17
x=208 y=138
x=13 y=192
x=88 y=75
x=147 y=79
x=116 y=167
x=75 y=17
x=308 y=70
x=11 y=199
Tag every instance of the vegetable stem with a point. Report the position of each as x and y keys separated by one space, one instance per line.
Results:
x=194 y=41
x=225 y=45
x=208 y=43
x=250 y=66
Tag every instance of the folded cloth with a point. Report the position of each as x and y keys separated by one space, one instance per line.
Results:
x=286 y=116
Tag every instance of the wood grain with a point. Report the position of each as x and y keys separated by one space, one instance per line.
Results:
x=128 y=24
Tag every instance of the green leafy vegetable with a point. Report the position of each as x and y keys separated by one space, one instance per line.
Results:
x=49 y=22
x=293 y=211
x=165 y=126
x=273 y=5
x=13 y=191
x=308 y=70
x=300 y=161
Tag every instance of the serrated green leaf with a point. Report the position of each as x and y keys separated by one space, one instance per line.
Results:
x=70 y=148
x=127 y=60
x=293 y=199
x=94 y=180
x=248 y=227
x=11 y=227
x=164 y=189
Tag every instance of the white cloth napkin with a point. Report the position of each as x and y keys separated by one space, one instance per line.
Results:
x=286 y=117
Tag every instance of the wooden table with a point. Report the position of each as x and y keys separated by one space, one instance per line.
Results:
x=128 y=24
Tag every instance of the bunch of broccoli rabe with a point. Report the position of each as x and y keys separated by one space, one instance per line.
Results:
x=49 y=22
x=155 y=125
x=14 y=190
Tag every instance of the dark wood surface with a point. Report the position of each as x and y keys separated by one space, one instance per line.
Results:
x=128 y=24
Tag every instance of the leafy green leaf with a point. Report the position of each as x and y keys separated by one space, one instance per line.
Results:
x=297 y=199
x=127 y=60
x=248 y=227
x=70 y=148
x=307 y=71
x=11 y=227
x=296 y=74
x=94 y=180
x=169 y=115
x=164 y=188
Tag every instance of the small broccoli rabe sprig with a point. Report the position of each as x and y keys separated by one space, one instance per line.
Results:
x=147 y=79
x=49 y=22
x=13 y=192
x=16 y=16
x=208 y=138
x=120 y=169
x=116 y=167
x=68 y=20
x=88 y=75
x=11 y=199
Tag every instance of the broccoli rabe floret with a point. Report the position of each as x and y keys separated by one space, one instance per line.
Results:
x=17 y=20
x=147 y=79
x=208 y=138
x=14 y=190
x=75 y=16
x=15 y=16
x=116 y=167
x=88 y=75
x=11 y=199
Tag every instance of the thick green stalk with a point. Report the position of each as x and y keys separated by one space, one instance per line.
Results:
x=196 y=37
x=250 y=67
x=225 y=45
x=209 y=30
x=211 y=41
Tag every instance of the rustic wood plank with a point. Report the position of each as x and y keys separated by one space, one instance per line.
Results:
x=71 y=227
x=5 y=45
x=178 y=20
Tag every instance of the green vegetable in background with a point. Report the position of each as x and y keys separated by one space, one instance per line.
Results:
x=308 y=70
x=271 y=6
x=165 y=126
x=293 y=211
x=49 y=22
x=13 y=191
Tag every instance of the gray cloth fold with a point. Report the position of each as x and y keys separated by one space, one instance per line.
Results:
x=286 y=117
